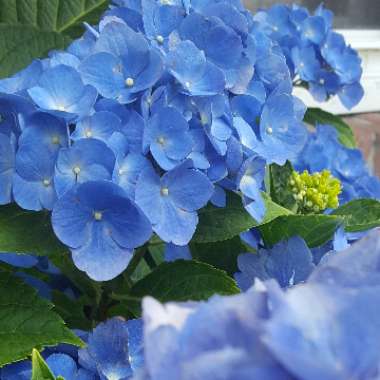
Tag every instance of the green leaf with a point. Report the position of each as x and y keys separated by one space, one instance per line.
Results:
x=222 y=255
x=40 y=370
x=219 y=224
x=180 y=281
x=360 y=214
x=184 y=280
x=27 y=321
x=314 y=229
x=315 y=116
x=19 y=45
x=280 y=190
x=72 y=311
x=30 y=28
x=88 y=287
x=27 y=232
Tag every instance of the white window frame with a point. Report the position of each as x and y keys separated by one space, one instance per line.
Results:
x=367 y=42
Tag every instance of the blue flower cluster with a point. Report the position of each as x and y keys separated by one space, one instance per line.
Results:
x=144 y=120
x=324 y=151
x=314 y=330
x=317 y=56
x=114 y=351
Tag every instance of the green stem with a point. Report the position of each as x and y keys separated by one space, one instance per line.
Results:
x=137 y=257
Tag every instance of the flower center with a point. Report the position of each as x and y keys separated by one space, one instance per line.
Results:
x=164 y=191
x=46 y=182
x=161 y=140
x=55 y=140
x=204 y=119
x=76 y=170
x=187 y=84
x=88 y=133
x=130 y=82
x=160 y=39
x=269 y=130
x=61 y=108
x=98 y=216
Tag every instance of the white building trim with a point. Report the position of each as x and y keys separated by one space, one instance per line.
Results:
x=367 y=42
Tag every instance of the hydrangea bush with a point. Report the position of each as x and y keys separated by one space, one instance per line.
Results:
x=170 y=210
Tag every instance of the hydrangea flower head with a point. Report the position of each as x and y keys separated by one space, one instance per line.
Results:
x=319 y=57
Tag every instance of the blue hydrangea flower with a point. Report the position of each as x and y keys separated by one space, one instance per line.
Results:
x=114 y=349
x=167 y=137
x=196 y=75
x=289 y=262
x=7 y=164
x=123 y=64
x=60 y=90
x=44 y=128
x=33 y=187
x=86 y=160
x=101 y=125
x=160 y=19
x=281 y=129
x=171 y=202
x=220 y=43
x=318 y=57
x=101 y=226
x=306 y=63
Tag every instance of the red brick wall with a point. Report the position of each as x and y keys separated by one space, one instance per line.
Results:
x=367 y=132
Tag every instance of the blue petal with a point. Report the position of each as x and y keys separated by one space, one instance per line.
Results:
x=175 y=252
x=101 y=125
x=101 y=257
x=103 y=71
x=21 y=261
x=61 y=89
x=127 y=171
x=7 y=162
x=188 y=188
x=92 y=157
x=108 y=349
x=62 y=365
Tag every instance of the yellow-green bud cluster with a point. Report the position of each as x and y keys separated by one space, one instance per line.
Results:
x=316 y=192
